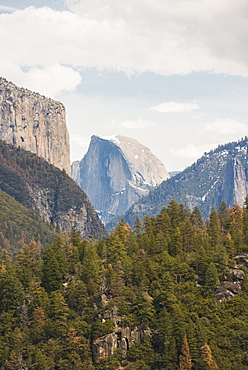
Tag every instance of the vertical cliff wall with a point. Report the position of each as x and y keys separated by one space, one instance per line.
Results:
x=35 y=123
x=116 y=172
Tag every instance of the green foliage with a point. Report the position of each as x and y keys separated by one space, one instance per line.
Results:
x=19 y=226
x=157 y=281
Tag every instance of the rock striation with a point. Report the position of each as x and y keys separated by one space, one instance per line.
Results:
x=221 y=174
x=115 y=172
x=33 y=122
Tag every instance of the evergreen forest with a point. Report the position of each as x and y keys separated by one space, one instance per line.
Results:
x=159 y=279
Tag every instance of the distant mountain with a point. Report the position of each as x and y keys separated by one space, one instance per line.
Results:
x=116 y=172
x=42 y=187
x=33 y=122
x=221 y=174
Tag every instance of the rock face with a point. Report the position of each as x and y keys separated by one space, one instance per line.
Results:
x=230 y=289
x=50 y=192
x=116 y=172
x=221 y=174
x=121 y=337
x=33 y=122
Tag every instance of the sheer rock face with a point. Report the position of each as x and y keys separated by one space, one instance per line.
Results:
x=35 y=123
x=116 y=172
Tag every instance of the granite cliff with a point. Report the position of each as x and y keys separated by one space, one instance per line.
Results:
x=50 y=192
x=221 y=174
x=115 y=172
x=33 y=122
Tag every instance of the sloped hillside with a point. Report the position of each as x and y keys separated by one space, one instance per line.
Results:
x=20 y=225
x=50 y=192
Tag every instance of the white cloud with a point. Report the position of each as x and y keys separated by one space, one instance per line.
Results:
x=52 y=80
x=191 y=151
x=165 y=37
x=48 y=80
x=80 y=140
x=225 y=126
x=6 y=9
x=175 y=107
x=132 y=124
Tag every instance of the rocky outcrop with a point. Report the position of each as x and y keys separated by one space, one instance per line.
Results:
x=229 y=289
x=122 y=338
x=33 y=122
x=221 y=174
x=40 y=186
x=116 y=172
x=241 y=260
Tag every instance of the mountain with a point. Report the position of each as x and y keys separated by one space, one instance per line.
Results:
x=45 y=189
x=115 y=172
x=33 y=122
x=221 y=174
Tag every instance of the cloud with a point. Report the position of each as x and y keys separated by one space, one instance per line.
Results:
x=163 y=37
x=81 y=141
x=48 y=80
x=175 y=107
x=132 y=124
x=6 y=9
x=52 y=80
x=225 y=126
x=191 y=151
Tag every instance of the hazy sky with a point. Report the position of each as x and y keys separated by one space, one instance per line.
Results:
x=171 y=74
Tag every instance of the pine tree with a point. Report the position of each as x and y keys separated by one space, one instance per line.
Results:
x=175 y=245
x=207 y=357
x=54 y=266
x=174 y=212
x=214 y=229
x=138 y=229
x=196 y=217
x=211 y=276
x=185 y=362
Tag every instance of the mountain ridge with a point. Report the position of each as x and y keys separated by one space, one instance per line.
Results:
x=221 y=174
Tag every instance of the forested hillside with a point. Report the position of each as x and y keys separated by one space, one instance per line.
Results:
x=45 y=189
x=144 y=299
x=20 y=225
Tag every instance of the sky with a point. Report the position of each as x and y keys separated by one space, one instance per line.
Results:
x=171 y=74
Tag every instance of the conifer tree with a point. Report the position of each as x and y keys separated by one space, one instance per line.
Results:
x=212 y=278
x=137 y=227
x=52 y=275
x=207 y=357
x=214 y=229
x=185 y=362
x=174 y=212
x=175 y=245
x=196 y=217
